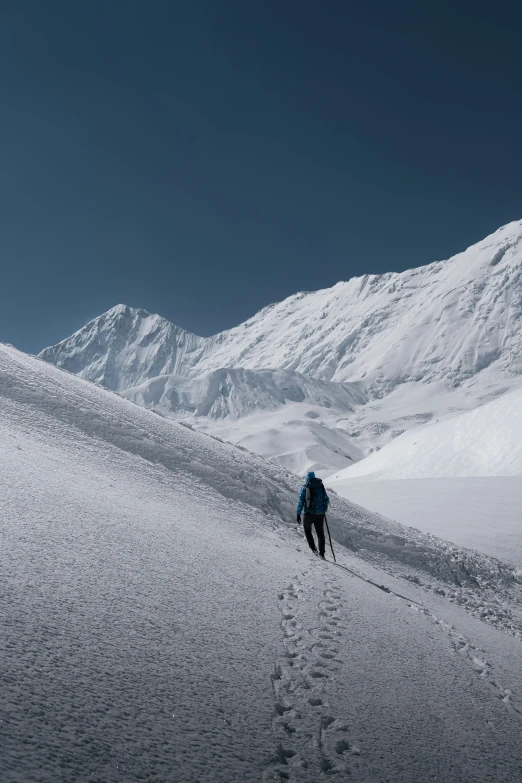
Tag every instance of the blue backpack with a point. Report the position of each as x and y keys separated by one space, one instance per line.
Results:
x=315 y=497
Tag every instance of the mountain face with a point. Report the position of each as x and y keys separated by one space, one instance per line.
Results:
x=285 y=416
x=123 y=347
x=416 y=345
x=445 y=322
x=240 y=392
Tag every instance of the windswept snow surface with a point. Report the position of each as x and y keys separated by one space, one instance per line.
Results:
x=163 y=621
x=419 y=344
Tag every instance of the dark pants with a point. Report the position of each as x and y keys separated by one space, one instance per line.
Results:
x=318 y=521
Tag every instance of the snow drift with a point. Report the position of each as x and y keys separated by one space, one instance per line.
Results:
x=483 y=442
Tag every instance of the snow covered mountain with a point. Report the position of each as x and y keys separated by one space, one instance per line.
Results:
x=484 y=442
x=287 y=417
x=418 y=344
x=239 y=392
x=459 y=478
x=446 y=321
x=124 y=347
x=162 y=619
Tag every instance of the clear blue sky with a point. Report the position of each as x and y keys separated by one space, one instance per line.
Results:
x=204 y=158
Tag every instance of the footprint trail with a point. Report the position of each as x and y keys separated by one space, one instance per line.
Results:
x=312 y=744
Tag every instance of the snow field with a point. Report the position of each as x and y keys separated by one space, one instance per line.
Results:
x=482 y=442
x=123 y=660
x=157 y=625
x=482 y=513
x=458 y=478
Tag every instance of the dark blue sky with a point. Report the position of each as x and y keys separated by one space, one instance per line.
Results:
x=204 y=158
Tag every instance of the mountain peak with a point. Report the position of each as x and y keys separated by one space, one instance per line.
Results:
x=122 y=346
x=123 y=310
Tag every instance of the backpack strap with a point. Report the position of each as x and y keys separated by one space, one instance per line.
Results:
x=308 y=497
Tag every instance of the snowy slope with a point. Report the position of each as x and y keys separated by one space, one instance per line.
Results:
x=162 y=621
x=286 y=417
x=458 y=478
x=446 y=321
x=238 y=392
x=419 y=344
x=484 y=442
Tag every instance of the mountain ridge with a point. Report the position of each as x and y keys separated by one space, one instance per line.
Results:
x=343 y=363
x=258 y=409
x=105 y=338
x=420 y=344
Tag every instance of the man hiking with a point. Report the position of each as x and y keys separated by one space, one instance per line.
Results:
x=315 y=501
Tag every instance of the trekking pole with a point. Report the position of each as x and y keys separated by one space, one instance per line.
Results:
x=330 y=538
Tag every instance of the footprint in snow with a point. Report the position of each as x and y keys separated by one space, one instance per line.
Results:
x=336 y=749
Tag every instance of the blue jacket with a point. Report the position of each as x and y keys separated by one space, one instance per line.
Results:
x=321 y=508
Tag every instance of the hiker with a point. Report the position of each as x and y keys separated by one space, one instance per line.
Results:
x=315 y=501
